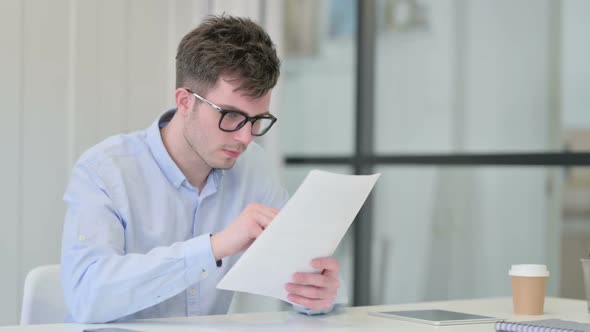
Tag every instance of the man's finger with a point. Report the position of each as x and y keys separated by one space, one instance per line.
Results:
x=267 y=210
x=329 y=264
x=315 y=279
x=256 y=231
x=310 y=303
x=262 y=219
x=311 y=292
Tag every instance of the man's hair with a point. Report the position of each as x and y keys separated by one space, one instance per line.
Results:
x=232 y=46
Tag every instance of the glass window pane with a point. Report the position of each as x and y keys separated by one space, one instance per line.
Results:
x=449 y=78
x=317 y=87
x=575 y=75
x=414 y=76
x=575 y=234
x=443 y=232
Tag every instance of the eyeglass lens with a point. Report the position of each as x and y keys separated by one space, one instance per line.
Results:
x=232 y=121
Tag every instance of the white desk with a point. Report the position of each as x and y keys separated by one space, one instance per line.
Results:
x=345 y=319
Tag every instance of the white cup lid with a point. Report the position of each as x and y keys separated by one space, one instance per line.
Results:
x=529 y=270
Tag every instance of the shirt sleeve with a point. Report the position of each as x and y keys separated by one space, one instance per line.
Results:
x=101 y=281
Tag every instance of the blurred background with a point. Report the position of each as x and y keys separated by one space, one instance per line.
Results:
x=364 y=84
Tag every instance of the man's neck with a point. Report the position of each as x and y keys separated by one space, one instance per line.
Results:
x=190 y=164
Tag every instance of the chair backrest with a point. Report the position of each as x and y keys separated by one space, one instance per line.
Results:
x=43 y=299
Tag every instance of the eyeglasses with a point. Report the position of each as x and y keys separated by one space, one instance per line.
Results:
x=233 y=120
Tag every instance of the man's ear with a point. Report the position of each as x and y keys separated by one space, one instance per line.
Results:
x=184 y=101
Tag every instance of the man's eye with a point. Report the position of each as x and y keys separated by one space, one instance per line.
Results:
x=233 y=115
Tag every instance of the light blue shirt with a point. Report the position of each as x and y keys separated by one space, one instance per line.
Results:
x=136 y=240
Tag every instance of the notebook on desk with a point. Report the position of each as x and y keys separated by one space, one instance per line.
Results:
x=546 y=325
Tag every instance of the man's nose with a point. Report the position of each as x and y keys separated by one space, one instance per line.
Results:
x=244 y=134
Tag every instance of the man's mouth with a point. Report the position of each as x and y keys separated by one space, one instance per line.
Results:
x=231 y=153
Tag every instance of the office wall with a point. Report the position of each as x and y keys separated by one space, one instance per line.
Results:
x=33 y=100
x=73 y=73
x=11 y=142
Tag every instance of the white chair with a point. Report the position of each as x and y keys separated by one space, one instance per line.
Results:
x=43 y=299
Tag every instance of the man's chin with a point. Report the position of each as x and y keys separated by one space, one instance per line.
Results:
x=226 y=164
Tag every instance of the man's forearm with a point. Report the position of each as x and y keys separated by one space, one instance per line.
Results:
x=102 y=287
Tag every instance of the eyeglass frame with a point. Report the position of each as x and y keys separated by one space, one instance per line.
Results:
x=248 y=118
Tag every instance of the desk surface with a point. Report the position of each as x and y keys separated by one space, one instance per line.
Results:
x=344 y=319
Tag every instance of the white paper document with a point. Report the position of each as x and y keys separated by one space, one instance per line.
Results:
x=309 y=226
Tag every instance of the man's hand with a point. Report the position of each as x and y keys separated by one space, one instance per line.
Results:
x=240 y=234
x=316 y=291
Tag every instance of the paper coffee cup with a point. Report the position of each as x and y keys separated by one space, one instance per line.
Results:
x=528 y=288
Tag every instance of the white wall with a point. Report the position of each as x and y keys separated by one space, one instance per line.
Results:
x=73 y=73
x=11 y=142
x=35 y=102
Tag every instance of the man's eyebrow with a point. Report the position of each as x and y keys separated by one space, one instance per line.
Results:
x=233 y=108
x=230 y=107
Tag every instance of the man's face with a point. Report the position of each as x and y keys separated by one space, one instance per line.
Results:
x=217 y=148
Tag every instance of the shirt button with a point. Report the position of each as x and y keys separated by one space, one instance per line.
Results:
x=204 y=274
x=81 y=238
x=192 y=292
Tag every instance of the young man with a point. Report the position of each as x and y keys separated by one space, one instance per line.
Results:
x=156 y=218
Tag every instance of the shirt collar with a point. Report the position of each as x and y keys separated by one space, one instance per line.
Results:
x=212 y=184
x=163 y=159
x=154 y=141
x=216 y=175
